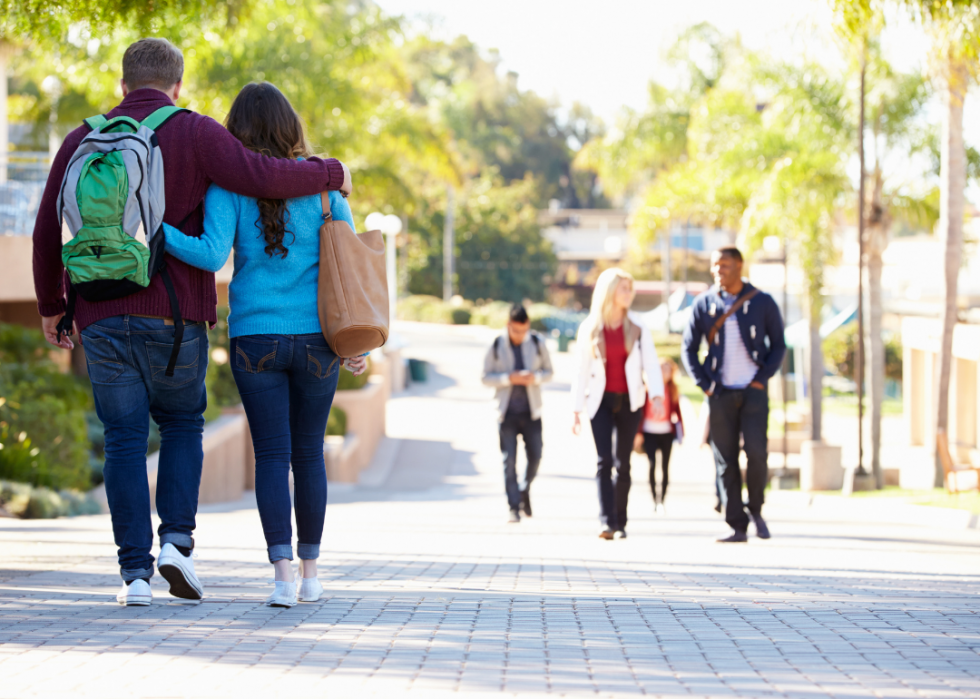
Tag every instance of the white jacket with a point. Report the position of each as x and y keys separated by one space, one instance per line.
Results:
x=590 y=381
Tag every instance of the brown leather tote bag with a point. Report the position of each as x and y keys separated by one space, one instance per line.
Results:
x=352 y=293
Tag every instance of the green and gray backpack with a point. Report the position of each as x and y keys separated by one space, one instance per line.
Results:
x=111 y=207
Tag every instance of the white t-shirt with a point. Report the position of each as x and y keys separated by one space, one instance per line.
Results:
x=737 y=368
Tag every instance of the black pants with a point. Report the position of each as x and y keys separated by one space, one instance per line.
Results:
x=652 y=443
x=614 y=418
x=742 y=412
x=530 y=430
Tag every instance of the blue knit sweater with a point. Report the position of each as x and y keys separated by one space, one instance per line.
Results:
x=268 y=295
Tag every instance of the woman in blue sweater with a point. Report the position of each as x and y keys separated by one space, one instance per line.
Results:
x=286 y=373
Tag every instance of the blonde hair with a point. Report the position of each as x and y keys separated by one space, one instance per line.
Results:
x=603 y=297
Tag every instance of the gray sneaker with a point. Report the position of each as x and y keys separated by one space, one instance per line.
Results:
x=514 y=518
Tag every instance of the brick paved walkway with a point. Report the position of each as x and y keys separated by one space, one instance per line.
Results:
x=430 y=592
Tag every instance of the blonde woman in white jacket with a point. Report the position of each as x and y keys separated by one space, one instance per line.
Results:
x=616 y=353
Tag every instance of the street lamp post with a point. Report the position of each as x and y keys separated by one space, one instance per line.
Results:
x=391 y=226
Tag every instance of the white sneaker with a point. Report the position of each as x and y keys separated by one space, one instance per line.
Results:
x=660 y=509
x=178 y=570
x=310 y=590
x=136 y=594
x=284 y=596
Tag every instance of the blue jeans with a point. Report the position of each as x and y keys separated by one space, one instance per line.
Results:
x=530 y=430
x=613 y=428
x=287 y=384
x=127 y=360
x=734 y=413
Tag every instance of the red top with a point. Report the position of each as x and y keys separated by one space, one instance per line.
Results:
x=196 y=151
x=615 y=361
x=673 y=411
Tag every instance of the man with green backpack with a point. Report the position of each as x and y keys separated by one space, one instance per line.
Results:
x=143 y=316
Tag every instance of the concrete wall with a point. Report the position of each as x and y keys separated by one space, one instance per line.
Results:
x=921 y=338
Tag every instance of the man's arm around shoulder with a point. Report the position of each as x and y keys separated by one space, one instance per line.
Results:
x=234 y=167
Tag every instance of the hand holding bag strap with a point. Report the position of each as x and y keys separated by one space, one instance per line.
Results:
x=727 y=314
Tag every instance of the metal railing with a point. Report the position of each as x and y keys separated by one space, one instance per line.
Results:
x=20 y=195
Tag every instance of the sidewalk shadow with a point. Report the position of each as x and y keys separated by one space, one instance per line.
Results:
x=419 y=472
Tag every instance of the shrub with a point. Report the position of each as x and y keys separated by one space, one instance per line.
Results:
x=336 y=422
x=21 y=500
x=493 y=314
x=461 y=316
x=425 y=309
x=840 y=351
x=43 y=432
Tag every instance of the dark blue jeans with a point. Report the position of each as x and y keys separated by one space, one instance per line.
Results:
x=287 y=384
x=530 y=430
x=127 y=360
x=613 y=428
x=733 y=413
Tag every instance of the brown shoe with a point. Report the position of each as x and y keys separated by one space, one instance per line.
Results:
x=607 y=534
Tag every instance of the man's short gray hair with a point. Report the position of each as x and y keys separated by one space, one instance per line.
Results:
x=152 y=63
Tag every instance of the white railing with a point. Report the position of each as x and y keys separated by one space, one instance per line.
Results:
x=20 y=193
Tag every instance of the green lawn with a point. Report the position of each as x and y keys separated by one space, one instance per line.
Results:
x=937 y=497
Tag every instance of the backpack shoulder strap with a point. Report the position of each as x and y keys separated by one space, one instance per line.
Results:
x=161 y=116
x=94 y=122
x=727 y=314
x=496 y=346
x=537 y=342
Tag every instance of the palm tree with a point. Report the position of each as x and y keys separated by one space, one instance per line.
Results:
x=895 y=101
x=954 y=26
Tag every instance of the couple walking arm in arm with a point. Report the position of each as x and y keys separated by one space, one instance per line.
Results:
x=128 y=339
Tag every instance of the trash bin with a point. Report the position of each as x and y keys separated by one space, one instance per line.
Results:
x=419 y=370
x=563 y=341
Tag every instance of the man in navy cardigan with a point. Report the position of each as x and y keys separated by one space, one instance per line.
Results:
x=126 y=338
x=747 y=349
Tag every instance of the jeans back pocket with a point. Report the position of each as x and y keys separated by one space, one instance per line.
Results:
x=321 y=361
x=188 y=364
x=255 y=356
x=104 y=364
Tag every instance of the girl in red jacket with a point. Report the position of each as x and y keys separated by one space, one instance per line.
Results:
x=659 y=429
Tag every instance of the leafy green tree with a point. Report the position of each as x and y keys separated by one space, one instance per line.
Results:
x=500 y=252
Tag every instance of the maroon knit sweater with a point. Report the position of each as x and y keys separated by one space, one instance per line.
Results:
x=197 y=151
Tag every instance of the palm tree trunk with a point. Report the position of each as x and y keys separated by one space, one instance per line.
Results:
x=951 y=207
x=879 y=222
x=876 y=354
x=816 y=371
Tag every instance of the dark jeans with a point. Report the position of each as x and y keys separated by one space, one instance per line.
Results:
x=530 y=430
x=652 y=443
x=287 y=384
x=614 y=417
x=742 y=412
x=127 y=360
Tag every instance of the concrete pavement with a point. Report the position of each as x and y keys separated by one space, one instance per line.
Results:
x=429 y=591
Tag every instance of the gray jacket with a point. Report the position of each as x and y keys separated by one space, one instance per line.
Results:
x=499 y=364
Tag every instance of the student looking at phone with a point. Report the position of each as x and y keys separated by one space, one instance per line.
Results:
x=516 y=364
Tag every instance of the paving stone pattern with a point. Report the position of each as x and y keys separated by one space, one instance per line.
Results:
x=431 y=593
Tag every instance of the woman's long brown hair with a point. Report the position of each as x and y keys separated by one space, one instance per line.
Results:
x=264 y=121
